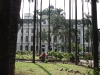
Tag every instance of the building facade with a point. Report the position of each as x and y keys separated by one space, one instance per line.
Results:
x=25 y=38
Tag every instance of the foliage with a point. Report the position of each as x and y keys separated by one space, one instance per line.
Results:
x=61 y=55
x=63 y=59
x=88 y=56
x=46 y=61
x=25 y=55
x=88 y=72
x=24 y=52
x=51 y=53
x=44 y=35
x=95 y=71
x=56 y=54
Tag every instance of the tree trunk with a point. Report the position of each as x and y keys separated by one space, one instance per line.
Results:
x=15 y=9
x=9 y=14
x=95 y=36
x=4 y=39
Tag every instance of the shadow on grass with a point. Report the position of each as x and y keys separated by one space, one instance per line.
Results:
x=44 y=69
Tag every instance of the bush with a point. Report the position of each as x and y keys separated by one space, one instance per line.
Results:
x=46 y=61
x=60 y=55
x=88 y=56
x=24 y=52
x=51 y=53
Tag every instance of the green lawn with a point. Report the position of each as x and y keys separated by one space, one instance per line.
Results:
x=27 y=68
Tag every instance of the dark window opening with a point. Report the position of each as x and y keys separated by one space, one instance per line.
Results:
x=26 y=47
x=21 y=38
x=26 y=38
x=43 y=45
x=31 y=48
x=31 y=38
x=21 y=47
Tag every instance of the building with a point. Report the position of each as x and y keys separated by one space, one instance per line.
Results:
x=27 y=43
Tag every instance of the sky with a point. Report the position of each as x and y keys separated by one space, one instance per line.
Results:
x=60 y=4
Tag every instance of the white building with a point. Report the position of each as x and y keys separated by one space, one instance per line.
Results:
x=27 y=44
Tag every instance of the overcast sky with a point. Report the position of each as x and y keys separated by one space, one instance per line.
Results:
x=60 y=4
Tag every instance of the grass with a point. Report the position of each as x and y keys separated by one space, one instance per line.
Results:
x=27 y=68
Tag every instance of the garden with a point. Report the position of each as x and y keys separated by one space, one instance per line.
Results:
x=62 y=64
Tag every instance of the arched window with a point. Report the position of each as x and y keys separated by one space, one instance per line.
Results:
x=21 y=47
x=31 y=48
x=26 y=47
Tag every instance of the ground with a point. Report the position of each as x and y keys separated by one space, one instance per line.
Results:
x=50 y=68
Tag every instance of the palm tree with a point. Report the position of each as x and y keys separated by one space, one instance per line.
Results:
x=56 y=20
x=87 y=21
x=69 y=50
x=76 y=31
x=44 y=36
x=40 y=25
x=9 y=20
x=34 y=31
x=28 y=22
x=49 y=28
x=95 y=36
x=95 y=33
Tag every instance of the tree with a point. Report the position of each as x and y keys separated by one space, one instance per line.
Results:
x=91 y=0
x=44 y=35
x=87 y=22
x=9 y=20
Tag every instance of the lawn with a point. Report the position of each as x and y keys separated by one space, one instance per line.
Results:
x=28 y=68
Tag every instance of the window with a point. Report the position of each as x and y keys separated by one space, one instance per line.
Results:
x=21 y=47
x=26 y=47
x=32 y=30
x=26 y=30
x=43 y=49
x=44 y=22
x=21 y=38
x=31 y=38
x=43 y=45
x=55 y=40
x=26 y=38
x=37 y=48
x=31 y=48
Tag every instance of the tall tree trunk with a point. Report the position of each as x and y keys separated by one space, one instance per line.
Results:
x=95 y=35
x=49 y=29
x=4 y=39
x=28 y=24
x=15 y=9
x=76 y=31
x=34 y=32
x=88 y=27
x=88 y=38
x=40 y=25
x=9 y=14
x=69 y=49
x=37 y=32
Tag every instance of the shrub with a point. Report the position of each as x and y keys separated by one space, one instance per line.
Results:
x=46 y=61
x=88 y=56
x=51 y=53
